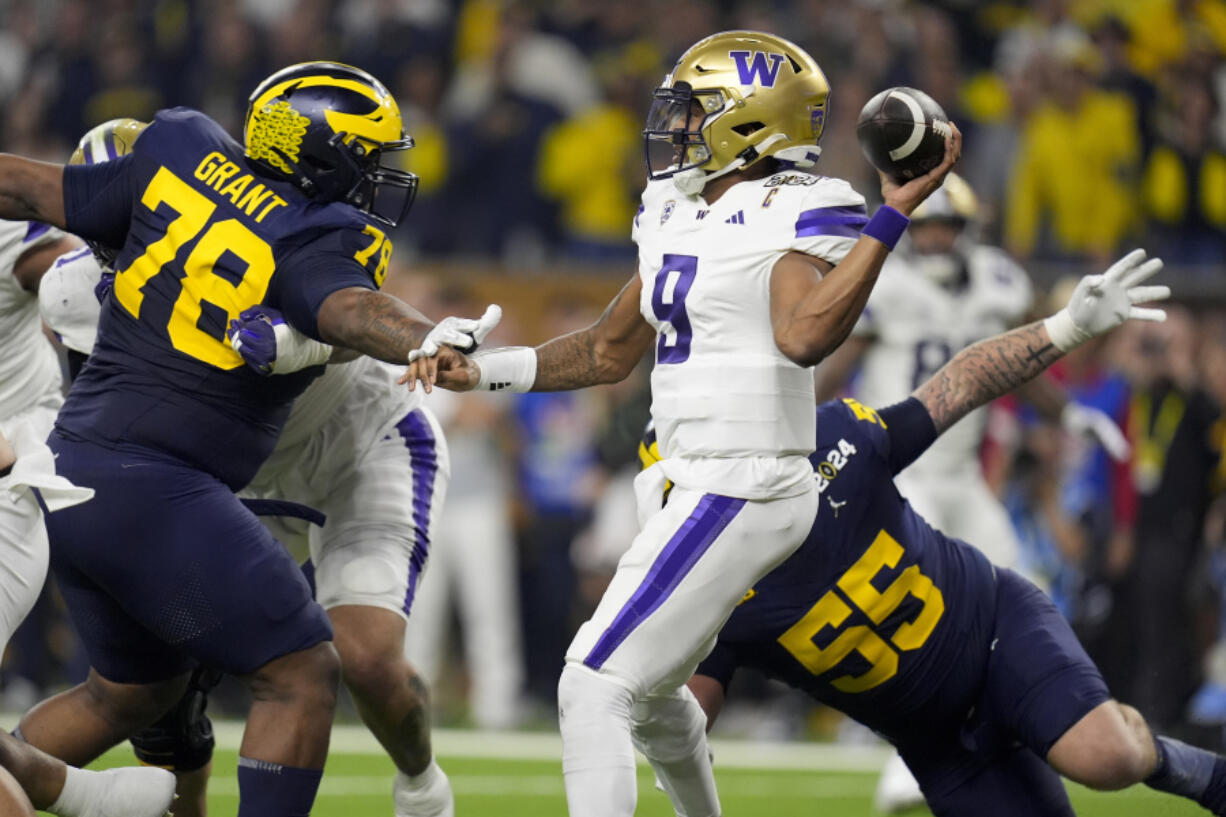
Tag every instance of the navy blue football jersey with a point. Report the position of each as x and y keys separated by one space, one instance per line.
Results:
x=877 y=614
x=204 y=236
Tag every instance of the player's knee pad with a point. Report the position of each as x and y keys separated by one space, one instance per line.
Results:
x=182 y=740
x=594 y=717
x=669 y=728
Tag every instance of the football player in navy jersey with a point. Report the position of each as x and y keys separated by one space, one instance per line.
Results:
x=165 y=568
x=968 y=669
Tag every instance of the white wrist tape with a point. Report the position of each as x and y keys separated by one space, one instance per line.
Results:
x=296 y=351
x=1065 y=334
x=510 y=368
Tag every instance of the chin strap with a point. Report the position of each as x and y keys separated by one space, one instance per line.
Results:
x=691 y=182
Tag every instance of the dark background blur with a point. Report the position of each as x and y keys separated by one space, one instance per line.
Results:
x=1091 y=126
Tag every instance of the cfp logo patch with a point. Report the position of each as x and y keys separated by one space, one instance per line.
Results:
x=669 y=206
x=757 y=67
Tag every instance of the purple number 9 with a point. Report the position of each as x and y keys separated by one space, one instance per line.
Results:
x=673 y=283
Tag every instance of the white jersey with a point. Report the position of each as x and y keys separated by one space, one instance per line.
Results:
x=918 y=325
x=364 y=389
x=29 y=367
x=733 y=414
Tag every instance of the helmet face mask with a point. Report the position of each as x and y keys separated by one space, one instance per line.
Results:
x=325 y=127
x=386 y=193
x=673 y=139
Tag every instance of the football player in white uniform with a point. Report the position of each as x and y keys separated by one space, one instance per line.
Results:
x=30 y=396
x=751 y=269
x=942 y=292
x=367 y=454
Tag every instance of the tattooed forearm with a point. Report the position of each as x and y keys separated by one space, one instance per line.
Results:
x=984 y=371
x=568 y=362
x=605 y=352
x=372 y=323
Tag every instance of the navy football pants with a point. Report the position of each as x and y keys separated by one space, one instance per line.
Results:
x=165 y=567
x=1038 y=683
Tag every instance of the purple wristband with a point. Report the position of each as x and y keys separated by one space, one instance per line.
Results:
x=887 y=226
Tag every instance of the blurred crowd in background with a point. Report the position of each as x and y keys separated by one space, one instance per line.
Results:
x=1090 y=126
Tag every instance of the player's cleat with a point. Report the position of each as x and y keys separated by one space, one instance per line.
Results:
x=133 y=791
x=426 y=795
x=896 y=788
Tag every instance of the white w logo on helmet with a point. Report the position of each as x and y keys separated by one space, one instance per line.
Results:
x=755 y=69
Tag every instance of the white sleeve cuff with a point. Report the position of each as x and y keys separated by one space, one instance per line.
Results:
x=510 y=368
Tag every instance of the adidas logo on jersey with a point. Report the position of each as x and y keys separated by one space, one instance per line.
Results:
x=736 y=218
x=499 y=386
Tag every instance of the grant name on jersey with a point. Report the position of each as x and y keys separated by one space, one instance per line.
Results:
x=215 y=170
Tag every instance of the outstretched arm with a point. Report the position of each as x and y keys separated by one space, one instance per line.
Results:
x=604 y=352
x=992 y=367
x=31 y=191
x=982 y=372
x=373 y=323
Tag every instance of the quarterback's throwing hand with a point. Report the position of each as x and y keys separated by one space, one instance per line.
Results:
x=1102 y=302
x=465 y=334
x=906 y=197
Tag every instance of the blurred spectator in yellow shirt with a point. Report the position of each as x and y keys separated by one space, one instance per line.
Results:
x=592 y=163
x=1163 y=31
x=1072 y=189
x=1184 y=187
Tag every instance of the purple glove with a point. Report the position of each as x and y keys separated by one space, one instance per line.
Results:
x=253 y=335
x=104 y=286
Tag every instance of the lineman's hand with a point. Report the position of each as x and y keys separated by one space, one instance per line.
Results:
x=1102 y=302
x=461 y=333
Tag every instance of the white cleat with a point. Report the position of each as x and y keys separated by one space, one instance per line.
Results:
x=433 y=799
x=133 y=791
x=896 y=788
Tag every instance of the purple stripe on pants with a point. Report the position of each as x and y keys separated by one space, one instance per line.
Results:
x=418 y=437
x=704 y=525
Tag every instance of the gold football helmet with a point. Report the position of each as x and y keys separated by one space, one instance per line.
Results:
x=952 y=201
x=733 y=99
x=943 y=230
x=107 y=141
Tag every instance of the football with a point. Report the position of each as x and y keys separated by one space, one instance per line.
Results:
x=902 y=132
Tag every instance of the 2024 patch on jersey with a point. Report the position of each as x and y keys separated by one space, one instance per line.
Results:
x=705 y=273
x=204 y=236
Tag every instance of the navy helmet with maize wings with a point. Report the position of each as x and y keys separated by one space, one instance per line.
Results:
x=326 y=127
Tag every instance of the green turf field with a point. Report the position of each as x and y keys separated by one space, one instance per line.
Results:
x=357 y=782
